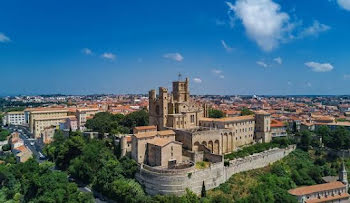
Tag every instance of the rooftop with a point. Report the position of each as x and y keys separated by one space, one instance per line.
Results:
x=15 y=112
x=276 y=124
x=159 y=142
x=316 y=188
x=329 y=198
x=44 y=109
x=150 y=127
x=154 y=133
x=229 y=119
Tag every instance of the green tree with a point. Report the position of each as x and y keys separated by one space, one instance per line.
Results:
x=105 y=122
x=203 y=192
x=245 y=111
x=305 y=140
x=4 y=134
x=215 y=113
x=6 y=147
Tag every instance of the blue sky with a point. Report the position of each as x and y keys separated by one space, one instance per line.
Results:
x=225 y=47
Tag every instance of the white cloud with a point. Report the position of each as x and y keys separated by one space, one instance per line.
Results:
x=261 y=63
x=216 y=71
x=263 y=20
x=226 y=46
x=278 y=60
x=319 y=67
x=4 y=38
x=174 y=56
x=314 y=29
x=345 y=4
x=86 y=51
x=197 y=80
x=109 y=56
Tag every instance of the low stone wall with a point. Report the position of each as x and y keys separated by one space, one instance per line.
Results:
x=158 y=182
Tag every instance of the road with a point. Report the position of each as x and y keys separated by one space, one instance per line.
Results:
x=37 y=147
x=29 y=142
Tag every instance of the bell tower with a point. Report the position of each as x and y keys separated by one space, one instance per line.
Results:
x=181 y=92
x=343 y=176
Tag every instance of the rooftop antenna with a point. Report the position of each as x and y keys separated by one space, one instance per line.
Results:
x=180 y=76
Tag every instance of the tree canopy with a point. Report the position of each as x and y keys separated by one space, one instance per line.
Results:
x=338 y=138
x=105 y=122
x=34 y=182
x=215 y=113
x=245 y=111
x=3 y=134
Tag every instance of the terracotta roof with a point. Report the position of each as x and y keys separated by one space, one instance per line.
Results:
x=159 y=142
x=128 y=138
x=21 y=148
x=44 y=109
x=262 y=112
x=229 y=119
x=162 y=142
x=154 y=133
x=329 y=198
x=316 y=188
x=149 y=127
x=166 y=132
x=276 y=124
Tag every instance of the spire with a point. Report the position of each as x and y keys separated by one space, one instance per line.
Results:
x=343 y=174
x=180 y=76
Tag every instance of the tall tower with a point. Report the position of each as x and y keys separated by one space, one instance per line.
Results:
x=158 y=108
x=262 y=127
x=343 y=176
x=181 y=92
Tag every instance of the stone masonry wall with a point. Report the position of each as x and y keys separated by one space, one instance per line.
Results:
x=175 y=182
x=259 y=160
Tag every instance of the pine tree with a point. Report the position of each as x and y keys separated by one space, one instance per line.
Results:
x=203 y=192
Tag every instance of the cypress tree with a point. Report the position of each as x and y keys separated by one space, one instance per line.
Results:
x=203 y=192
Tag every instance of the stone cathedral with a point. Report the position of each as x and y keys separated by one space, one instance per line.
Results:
x=175 y=110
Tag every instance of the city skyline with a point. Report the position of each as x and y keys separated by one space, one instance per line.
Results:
x=224 y=47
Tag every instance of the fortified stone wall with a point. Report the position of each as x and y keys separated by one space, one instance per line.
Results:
x=176 y=183
x=169 y=181
x=259 y=160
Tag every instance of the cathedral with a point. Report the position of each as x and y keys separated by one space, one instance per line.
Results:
x=176 y=109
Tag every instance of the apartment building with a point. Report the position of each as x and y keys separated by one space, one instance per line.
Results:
x=14 y=118
x=40 y=118
x=83 y=115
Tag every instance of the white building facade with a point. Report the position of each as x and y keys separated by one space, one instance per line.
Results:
x=14 y=118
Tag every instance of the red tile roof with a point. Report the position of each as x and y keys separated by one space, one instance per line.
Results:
x=150 y=127
x=329 y=198
x=276 y=124
x=316 y=188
